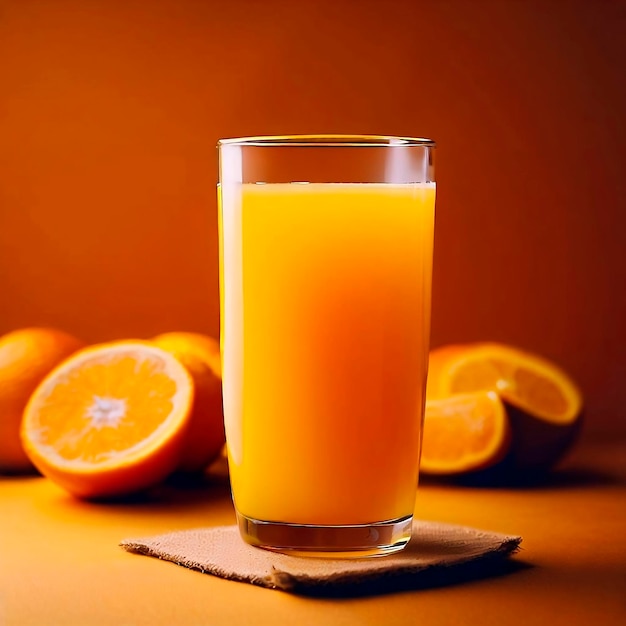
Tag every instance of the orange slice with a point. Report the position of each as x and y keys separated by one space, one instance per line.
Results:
x=526 y=380
x=438 y=363
x=464 y=433
x=543 y=404
x=110 y=420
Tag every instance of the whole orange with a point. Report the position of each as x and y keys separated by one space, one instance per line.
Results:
x=26 y=357
x=200 y=354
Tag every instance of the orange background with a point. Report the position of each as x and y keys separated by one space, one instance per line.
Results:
x=110 y=111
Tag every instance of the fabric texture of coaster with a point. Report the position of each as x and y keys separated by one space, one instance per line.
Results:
x=437 y=554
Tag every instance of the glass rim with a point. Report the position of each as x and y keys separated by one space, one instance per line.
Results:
x=328 y=141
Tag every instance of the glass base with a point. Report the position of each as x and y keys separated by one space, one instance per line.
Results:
x=334 y=542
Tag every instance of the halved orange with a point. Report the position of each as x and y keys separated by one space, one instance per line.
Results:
x=464 y=433
x=542 y=402
x=110 y=420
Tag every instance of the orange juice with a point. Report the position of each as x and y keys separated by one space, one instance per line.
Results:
x=326 y=311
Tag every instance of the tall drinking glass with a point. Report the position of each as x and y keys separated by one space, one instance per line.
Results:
x=326 y=256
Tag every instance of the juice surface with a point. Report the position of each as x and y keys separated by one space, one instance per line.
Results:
x=326 y=311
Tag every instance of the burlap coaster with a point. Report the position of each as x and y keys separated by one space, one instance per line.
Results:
x=437 y=554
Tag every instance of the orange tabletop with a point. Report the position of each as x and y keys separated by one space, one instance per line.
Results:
x=60 y=562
